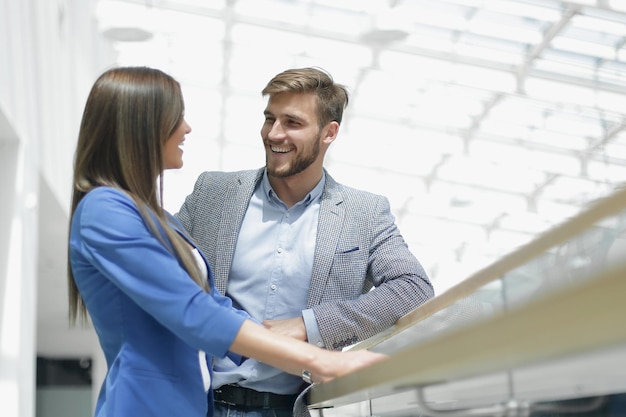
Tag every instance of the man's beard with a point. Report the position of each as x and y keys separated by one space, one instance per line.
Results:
x=302 y=162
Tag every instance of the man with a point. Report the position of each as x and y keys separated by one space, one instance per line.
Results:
x=297 y=250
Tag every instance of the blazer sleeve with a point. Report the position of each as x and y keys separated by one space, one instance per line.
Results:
x=114 y=238
x=387 y=280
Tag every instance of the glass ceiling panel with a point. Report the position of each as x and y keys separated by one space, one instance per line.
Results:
x=597 y=29
x=558 y=91
x=189 y=5
x=588 y=48
x=506 y=26
x=613 y=73
x=416 y=69
x=616 y=148
x=617 y=5
x=247 y=34
x=551 y=139
x=564 y=64
x=525 y=222
x=547 y=10
x=266 y=9
x=469 y=171
x=573 y=190
x=359 y=6
x=439 y=14
x=336 y=51
x=266 y=64
x=606 y=171
x=487 y=120
x=511 y=154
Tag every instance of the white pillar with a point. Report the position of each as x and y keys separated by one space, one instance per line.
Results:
x=18 y=254
x=50 y=54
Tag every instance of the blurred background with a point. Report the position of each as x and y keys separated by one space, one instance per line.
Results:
x=485 y=123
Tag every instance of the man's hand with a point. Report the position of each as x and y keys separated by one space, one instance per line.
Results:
x=288 y=327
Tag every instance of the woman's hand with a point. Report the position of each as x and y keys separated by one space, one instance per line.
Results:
x=295 y=356
x=332 y=364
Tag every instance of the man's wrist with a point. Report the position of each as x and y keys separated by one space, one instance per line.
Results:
x=312 y=330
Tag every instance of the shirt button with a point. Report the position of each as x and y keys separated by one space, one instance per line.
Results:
x=287 y=214
x=319 y=344
x=273 y=287
x=279 y=250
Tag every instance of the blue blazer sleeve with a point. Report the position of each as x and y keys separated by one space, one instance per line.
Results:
x=110 y=234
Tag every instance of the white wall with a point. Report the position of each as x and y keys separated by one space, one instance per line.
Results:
x=50 y=53
x=18 y=185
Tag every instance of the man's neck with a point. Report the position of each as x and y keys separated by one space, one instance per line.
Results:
x=294 y=188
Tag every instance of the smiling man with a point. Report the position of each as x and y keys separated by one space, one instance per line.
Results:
x=305 y=255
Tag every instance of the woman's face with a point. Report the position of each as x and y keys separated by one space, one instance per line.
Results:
x=172 y=151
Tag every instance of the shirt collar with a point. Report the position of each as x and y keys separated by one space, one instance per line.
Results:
x=313 y=195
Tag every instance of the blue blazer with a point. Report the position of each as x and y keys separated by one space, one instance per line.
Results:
x=150 y=317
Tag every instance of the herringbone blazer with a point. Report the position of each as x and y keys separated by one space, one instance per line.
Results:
x=358 y=247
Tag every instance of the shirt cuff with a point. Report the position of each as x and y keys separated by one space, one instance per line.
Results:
x=312 y=331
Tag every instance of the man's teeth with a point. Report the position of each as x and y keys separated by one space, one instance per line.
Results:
x=281 y=150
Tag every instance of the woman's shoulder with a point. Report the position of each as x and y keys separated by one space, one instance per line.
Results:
x=104 y=198
x=107 y=209
x=104 y=192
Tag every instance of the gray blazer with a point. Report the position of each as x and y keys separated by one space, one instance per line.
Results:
x=358 y=247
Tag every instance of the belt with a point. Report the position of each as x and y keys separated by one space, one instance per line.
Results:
x=241 y=397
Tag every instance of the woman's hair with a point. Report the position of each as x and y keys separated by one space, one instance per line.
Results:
x=129 y=115
x=332 y=98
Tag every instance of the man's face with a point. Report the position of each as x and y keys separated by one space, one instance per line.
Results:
x=291 y=134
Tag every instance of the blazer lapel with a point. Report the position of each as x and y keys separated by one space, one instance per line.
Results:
x=236 y=200
x=331 y=219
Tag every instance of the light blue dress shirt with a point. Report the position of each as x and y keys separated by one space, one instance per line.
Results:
x=270 y=277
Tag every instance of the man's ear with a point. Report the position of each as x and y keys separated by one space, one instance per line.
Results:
x=331 y=132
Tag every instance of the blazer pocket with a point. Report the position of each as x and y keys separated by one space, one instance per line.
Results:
x=349 y=267
x=350 y=250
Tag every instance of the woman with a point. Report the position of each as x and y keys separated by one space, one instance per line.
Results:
x=148 y=290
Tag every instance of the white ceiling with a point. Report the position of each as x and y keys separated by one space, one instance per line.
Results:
x=485 y=122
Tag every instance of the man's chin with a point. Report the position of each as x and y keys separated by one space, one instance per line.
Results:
x=278 y=173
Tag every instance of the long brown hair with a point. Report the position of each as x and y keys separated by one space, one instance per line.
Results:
x=129 y=115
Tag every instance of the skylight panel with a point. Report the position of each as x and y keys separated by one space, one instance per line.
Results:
x=545 y=10
x=505 y=26
x=584 y=47
x=292 y=12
